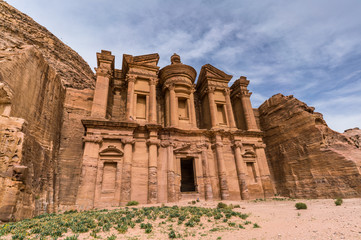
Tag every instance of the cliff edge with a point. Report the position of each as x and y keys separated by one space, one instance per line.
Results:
x=306 y=157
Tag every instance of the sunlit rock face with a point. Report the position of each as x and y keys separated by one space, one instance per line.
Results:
x=307 y=158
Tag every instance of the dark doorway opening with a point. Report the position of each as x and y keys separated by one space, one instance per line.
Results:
x=187 y=173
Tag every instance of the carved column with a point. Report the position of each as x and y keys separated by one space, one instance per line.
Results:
x=241 y=171
x=100 y=100
x=173 y=106
x=205 y=167
x=264 y=172
x=212 y=106
x=223 y=183
x=170 y=171
x=192 y=109
x=127 y=170
x=153 y=101
x=231 y=123
x=248 y=111
x=130 y=97
x=152 y=170
x=116 y=104
x=86 y=190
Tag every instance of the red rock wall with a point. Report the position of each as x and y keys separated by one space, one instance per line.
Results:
x=308 y=159
x=37 y=99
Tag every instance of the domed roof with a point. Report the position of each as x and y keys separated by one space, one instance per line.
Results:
x=177 y=68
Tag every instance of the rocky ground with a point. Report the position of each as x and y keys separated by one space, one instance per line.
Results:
x=276 y=218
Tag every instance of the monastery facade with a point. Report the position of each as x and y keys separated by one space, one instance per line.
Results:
x=155 y=137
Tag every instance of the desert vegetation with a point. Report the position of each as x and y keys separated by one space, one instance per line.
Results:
x=165 y=221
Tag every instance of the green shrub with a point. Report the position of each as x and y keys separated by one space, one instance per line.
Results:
x=112 y=237
x=222 y=205
x=301 y=205
x=172 y=234
x=132 y=203
x=255 y=225
x=338 y=201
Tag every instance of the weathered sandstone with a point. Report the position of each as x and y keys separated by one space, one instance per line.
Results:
x=18 y=29
x=307 y=158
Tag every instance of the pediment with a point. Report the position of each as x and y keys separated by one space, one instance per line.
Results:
x=111 y=151
x=213 y=72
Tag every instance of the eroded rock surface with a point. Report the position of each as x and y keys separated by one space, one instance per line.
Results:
x=307 y=158
x=37 y=74
x=18 y=29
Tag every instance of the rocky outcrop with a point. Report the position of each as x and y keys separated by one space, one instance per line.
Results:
x=307 y=158
x=31 y=103
x=354 y=134
x=37 y=74
x=18 y=29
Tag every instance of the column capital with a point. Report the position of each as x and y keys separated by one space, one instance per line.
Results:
x=93 y=138
x=238 y=144
x=153 y=81
x=244 y=93
x=153 y=142
x=130 y=78
x=193 y=88
x=103 y=72
x=128 y=140
x=217 y=144
x=168 y=143
x=227 y=91
x=210 y=89
x=203 y=145
x=259 y=145
x=170 y=86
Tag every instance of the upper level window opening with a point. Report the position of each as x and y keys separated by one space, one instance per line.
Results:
x=221 y=114
x=141 y=106
x=183 y=112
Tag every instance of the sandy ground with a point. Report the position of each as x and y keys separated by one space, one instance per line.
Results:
x=281 y=220
x=322 y=220
x=277 y=220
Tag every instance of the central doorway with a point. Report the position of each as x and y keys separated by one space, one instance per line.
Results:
x=187 y=175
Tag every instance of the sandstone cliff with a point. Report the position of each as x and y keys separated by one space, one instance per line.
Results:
x=18 y=29
x=40 y=80
x=307 y=158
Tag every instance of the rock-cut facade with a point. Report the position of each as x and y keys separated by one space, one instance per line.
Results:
x=154 y=136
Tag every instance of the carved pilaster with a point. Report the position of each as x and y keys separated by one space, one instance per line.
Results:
x=130 y=79
x=153 y=170
x=205 y=167
x=241 y=170
x=223 y=182
x=127 y=169
x=212 y=106
x=172 y=196
x=153 y=100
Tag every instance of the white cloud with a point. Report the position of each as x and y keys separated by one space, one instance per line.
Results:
x=308 y=48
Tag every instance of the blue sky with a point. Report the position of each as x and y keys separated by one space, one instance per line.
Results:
x=310 y=49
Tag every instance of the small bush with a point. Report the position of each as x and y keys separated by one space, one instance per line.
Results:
x=222 y=205
x=112 y=237
x=172 y=234
x=255 y=225
x=132 y=203
x=301 y=205
x=338 y=201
